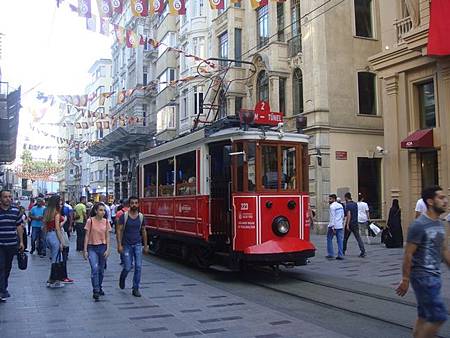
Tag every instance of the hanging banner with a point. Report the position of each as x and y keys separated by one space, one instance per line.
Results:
x=84 y=8
x=105 y=8
x=139 y=8
x=132 y=39
x=439 y=32
x=177 y=7
x=117 y=6
x=91 y=23
x=156 y=7
x=217 y=4
x=258 y=3
x=104 y=27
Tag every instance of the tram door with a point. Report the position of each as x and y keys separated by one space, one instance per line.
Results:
x=220 y=175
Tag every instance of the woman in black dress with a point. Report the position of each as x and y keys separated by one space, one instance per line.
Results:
x=394 y=223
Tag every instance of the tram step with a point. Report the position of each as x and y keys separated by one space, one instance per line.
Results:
x=220 y=268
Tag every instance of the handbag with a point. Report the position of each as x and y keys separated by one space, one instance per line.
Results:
x=376 y=230
x=22 y=260
x=58 y=269
x=65 y=237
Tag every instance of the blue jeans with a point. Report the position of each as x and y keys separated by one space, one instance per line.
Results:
x=97 y=261
x=131 y=252
x=53 y=244
x=340 y=241
x=37 y=235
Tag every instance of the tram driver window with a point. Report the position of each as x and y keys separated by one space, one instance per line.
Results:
x=166 y=177
x=186 y=174
x=288 y=165
x=269 y=161
x=251 y=165
x=150 y=180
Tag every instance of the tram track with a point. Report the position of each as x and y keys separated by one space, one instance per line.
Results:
x=348 y=300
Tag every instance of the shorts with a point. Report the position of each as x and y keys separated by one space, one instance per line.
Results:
x=430 y=304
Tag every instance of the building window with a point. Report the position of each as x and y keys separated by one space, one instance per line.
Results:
x=222 y=104
x=262 y=86
x=280 y=21
x=198 y=100
x=100 y=175
x=169 y=40
x=237 y=104
x=430 y=169
x=183 y=59
x=262 y=23
x=363 y=18
x=237 y=46
x=369 y=184
x=167 y=76
x=184 y=104
x=427 y=107
x=282 y=95
x=144 y=77
x=223 y=46
x=144 y=115
x=295 y=18
x=297 y=91
x=199 y=46
x=367 y=93
x=165 y=119
x=199 y=10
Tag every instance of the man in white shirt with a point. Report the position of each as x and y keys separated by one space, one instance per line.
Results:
x=335 y=227
x=421 y=207
x=363 y=217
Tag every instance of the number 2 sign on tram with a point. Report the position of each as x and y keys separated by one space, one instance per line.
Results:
x=263 y=115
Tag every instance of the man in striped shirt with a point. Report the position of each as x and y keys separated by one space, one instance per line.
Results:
x=11 y=233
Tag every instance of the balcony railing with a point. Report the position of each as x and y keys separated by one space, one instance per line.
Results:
x=295 y=45
x=403 y=26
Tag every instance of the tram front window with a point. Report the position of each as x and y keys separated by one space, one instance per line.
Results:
x=288 y=163
x=251 y=165
x=150 y=180
x=186 y=174
x=165 y=177
x=269 y=160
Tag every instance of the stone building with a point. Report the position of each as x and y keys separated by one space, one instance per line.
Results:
x=415 y=96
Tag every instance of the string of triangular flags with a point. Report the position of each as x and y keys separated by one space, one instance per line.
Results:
x=62 y=140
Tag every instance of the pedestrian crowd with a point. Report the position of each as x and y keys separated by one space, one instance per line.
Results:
x=50 y=222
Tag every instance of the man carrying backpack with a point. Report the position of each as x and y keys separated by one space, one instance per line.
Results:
x=130 y=234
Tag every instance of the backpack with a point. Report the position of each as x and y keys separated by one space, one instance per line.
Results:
x=125 y=219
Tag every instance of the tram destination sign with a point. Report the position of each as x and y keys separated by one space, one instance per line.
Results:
x=264 y=116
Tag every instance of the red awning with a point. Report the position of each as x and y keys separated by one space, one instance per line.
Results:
x=419 y=139
x=439 y=33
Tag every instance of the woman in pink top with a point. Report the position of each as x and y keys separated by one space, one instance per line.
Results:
x=96 y=246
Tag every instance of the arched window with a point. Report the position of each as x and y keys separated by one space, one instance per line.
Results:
x=262 y=86
x=297 y=91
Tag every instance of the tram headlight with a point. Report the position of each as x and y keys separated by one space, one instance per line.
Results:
x=280 y=226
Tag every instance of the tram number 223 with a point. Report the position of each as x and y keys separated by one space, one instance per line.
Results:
x=244 y=206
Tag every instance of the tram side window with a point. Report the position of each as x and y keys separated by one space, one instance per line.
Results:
x=186 y=174
x=240 y=167
x=269 y=160
x=251 y=165
x=150 y=180
x=166 y=177
x=289 y=170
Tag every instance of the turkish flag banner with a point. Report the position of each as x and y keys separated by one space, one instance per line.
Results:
x=117 y=6
x=439 y=33
x=105 y=8
x=139 y=8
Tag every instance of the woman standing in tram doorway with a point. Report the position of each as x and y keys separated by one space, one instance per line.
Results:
x=96 y=246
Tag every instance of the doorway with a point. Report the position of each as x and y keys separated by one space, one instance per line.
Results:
x=369 y=184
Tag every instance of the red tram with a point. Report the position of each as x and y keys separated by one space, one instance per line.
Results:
x=229 y=196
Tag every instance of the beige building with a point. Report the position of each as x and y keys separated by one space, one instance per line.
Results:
x=415 y=96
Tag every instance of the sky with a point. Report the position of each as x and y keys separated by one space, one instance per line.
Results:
x=49 y=49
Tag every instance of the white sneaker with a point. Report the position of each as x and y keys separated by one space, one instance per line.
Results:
x=56 y=285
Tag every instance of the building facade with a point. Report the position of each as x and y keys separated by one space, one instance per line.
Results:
x=415 y=96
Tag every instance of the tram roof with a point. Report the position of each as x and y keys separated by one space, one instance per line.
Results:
x=205 y=136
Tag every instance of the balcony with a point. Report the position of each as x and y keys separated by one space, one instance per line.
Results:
x=403 y=26
x=295 y=45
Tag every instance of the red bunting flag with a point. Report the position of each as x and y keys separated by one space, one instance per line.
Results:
x=217 y=4
x=132 y=39
x=121 y=96
x=177 y=7
x=105 y=8
x=117 y=6
x=120 y=34
x=258 y=3
x=139 y=8
x=156 y=7
x=104 y=26
x=142 y=40
x=84 y=8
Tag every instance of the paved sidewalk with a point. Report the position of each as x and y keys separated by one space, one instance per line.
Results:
x=381 y=266
x=172 y=306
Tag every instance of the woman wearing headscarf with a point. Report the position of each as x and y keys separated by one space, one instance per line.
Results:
x=394 y=223
x=52 y=227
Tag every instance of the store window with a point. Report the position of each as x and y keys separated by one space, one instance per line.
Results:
x=186 y=174
x=369 y=184
x=150 y=180
x=166 y=177
x=367 y=93
x=427 y=106
x=429 y=168
x=363 y=18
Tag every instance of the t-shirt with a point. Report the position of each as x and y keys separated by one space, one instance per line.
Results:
x=121 y=212
x=353 y=208
x=363 y=208
x=429 y=235
x=37 y=211
x=9 y=221
x=99 y=229
x=80 y=209
x=132 y=233
x=336 y=216
x=421 y=206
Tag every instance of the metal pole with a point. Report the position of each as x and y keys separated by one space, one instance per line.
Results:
x=107 y=181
